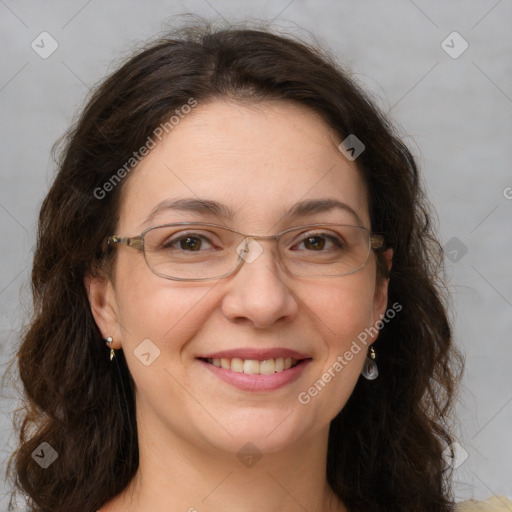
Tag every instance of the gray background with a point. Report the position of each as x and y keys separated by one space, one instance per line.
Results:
x=454 y=113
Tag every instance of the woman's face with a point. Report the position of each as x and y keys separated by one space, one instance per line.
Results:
x=258 y=161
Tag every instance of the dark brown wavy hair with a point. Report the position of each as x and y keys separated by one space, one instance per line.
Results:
x=385 y=446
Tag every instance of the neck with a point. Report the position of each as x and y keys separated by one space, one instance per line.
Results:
x=174 y=474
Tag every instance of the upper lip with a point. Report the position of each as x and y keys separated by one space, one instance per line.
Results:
x=256 y=354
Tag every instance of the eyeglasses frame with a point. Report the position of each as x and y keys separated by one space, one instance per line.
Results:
x=137 y=242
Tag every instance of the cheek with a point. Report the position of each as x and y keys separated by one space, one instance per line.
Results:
x=161 y=310
x=343 y=307
x=169 y=315
x=343 y=310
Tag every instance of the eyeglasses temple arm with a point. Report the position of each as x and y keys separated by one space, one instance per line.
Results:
x=136 y=242
x=377 y=241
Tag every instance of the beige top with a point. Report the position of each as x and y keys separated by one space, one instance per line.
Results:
x=493 y=504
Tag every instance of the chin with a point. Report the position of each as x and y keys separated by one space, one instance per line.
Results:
x=264 y=431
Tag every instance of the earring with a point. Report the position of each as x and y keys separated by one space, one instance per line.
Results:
x=370 y=370
x=109 y=341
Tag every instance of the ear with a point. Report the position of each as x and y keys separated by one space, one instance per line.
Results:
x=102 y=300
x=380 y=298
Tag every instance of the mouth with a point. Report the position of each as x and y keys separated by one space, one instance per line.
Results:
x=254 y=366
x=256 y=370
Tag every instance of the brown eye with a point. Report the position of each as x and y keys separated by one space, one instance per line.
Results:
x=187 y=243
x=190 y=242
x=320 y=241
x=314 y=242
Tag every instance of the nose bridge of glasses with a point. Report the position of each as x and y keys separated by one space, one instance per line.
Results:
x=251 y=247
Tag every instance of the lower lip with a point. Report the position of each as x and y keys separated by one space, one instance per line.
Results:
x=258 y=382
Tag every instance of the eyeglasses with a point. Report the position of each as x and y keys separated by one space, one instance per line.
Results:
x=189 y=251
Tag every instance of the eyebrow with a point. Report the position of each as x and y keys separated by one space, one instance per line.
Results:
x=210 y=207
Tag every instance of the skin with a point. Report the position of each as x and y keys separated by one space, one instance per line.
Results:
x=258 y=160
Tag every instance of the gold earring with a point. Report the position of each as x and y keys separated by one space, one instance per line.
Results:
x=109 y=341
x=372 y=353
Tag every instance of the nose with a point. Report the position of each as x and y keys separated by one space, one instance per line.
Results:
x=259 y=292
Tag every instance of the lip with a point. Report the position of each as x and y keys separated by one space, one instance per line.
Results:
x=257 y=382
x=256 y=354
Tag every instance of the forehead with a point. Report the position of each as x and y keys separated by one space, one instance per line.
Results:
x=259 y=160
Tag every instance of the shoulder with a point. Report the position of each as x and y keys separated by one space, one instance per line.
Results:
x=493 y=504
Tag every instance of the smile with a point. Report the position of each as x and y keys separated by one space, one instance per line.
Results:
x=253 y=366
x=254 y=375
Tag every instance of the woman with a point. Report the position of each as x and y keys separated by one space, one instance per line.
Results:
x=237 y=296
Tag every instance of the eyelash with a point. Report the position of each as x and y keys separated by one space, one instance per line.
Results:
x=334 y=240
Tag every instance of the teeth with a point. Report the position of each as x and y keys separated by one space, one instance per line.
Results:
x=237 y=365
x=267 y=367
x=253 y=366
